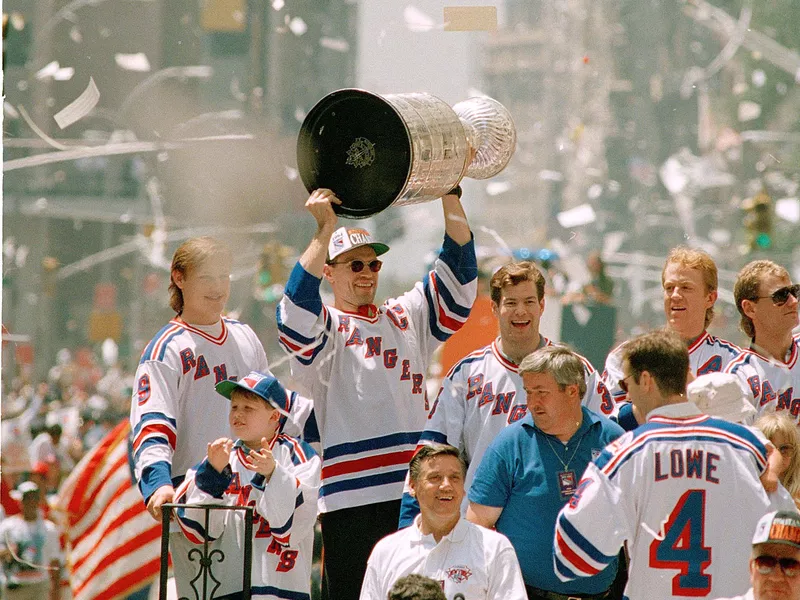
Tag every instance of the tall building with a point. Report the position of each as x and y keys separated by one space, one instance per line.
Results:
x=551 y=65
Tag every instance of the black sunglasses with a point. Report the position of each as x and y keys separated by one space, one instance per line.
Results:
x=356 y=266
x=623 y=385
x=781 y=295
x=766 y=564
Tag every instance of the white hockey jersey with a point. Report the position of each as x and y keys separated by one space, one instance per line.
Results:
x=175 y=410
x=366 y=373
x=283 y=524
x=683 y=490
x=775 y=385
x=482 y=394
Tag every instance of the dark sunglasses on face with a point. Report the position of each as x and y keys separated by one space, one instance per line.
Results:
x=781 y=295
x=356 y=266
x=766 y=564
x=623 y=385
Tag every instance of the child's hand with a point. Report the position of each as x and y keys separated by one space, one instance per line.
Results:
x=262 y=461
x=218 y=453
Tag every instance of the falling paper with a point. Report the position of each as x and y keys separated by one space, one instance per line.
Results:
x=547 y=175
x=80 y=107
x=337 y=44
x=133 y=62
x=788 y=209
x=581 y=314
x=580 y=215
x=470 y=18
x=749 y=111
x=416 y=20
x=64 y=74
x=47 y=71
x=298 y=26
x=495 y=188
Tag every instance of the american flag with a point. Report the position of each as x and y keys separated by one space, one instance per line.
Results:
x=113 y=543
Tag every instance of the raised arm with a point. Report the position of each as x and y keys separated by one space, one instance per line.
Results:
x=319 y=205
x=455 y=219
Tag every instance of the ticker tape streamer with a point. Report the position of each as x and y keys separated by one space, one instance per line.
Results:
x=47 y=158
x=80 y=107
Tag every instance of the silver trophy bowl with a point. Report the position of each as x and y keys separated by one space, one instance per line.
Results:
x=375 y=151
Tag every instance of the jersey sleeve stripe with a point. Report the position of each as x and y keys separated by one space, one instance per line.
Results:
x=447 y=302
x=437 y=326
x=578 y=543
x=367 y=481
x=571 y=558
x=149 y=443
x=283 y=529
x=158 y=417
x=461 y=260
x=364 y=464
x=193 y=531
x=561 y=569
x=302 y=290
x=295 y=448
x=155 y=431
x=305 y=349
x=376 y=443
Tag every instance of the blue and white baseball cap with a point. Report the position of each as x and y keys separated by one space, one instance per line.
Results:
x=345 y=239
x=264 y=385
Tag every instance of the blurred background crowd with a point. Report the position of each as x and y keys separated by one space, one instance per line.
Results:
x=641 y=126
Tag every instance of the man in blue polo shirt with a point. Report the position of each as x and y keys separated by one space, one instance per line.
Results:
x=533 y=466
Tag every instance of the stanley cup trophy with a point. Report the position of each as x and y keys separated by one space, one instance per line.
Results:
x=376 y=151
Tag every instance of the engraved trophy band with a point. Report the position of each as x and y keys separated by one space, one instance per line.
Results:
x=374 y=151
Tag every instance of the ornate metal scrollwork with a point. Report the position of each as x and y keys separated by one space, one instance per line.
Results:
x=206 y=557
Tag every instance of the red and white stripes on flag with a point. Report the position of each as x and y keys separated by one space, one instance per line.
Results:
x=113 y=543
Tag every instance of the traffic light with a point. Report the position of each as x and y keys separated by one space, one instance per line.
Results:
x=758 y=220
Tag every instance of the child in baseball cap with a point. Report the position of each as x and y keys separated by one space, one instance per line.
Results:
x=261 y=467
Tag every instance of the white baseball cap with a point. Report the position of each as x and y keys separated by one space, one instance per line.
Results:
x=779 y=527
x=345 y=239
x=721 y=395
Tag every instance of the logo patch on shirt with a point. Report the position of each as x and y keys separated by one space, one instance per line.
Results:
x=459 y=573
x=596 y=452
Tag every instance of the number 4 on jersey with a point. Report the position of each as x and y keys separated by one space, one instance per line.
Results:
x=683 y=546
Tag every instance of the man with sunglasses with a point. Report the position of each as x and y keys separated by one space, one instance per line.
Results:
x=683 y=491
x=775 y=559
x=365 y=368
x=768 y=304
x=689 y=280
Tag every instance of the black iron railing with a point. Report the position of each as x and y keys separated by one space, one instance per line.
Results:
x=205 y=578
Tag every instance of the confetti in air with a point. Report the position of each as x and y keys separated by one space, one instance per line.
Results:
x=80 y=107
